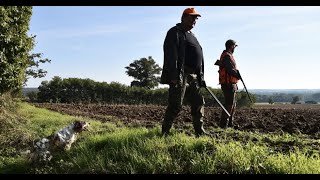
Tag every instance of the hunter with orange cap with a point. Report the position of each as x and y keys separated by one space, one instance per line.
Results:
x=183 y=70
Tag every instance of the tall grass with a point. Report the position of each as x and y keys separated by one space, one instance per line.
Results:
x=116 y=149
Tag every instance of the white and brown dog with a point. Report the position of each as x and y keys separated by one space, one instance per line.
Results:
x=61 y=140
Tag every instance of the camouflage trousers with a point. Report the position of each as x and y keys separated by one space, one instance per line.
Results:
x=229 y=92
x=190 y=91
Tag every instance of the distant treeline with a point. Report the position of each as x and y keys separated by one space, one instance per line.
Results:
x=284 y=97
x=76 y=90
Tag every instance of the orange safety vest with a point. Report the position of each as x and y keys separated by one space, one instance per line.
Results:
x=224 y=77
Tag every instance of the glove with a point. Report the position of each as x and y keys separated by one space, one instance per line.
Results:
x=203 y=84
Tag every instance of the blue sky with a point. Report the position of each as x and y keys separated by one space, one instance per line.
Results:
x=278 y=45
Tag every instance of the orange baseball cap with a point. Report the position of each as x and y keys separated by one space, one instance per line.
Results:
x=191 y=11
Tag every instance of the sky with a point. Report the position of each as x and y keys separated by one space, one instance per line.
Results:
x=277 y=45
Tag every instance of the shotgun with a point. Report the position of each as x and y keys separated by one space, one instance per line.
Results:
x=244 y=86
x=218 y=101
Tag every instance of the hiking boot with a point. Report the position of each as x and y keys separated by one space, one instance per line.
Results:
x=230 y=121
x=165 y=131
x=223 y=123
x=166 y=126
x=234 y=126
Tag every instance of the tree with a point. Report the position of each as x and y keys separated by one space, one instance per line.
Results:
x=16 y=45
x=316 y=97
x=243 y=100
x=144 y=72
x=32 y=95
x=51 y=91
x=270 y=101
x=295 y=99
x=33 y=69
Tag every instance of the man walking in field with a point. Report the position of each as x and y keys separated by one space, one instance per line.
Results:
x=183 y=70
x=228 y=78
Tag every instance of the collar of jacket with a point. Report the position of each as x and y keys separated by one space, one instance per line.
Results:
x=180 y=27
x=228 y=51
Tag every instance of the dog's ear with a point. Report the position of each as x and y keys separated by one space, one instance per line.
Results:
x=78 y=125
x=75 y=122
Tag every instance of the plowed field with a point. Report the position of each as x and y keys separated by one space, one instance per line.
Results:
x=288 y=118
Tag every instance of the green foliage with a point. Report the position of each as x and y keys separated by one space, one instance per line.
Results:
x=295 y=99
x=288 y=97
x=13 y=135
x=50 y=91
x=311 y=102
x=17 y=64
x=209 y=100
x=271 y=101
x=144 y=72
x=316 y=97
x=33 y=69
x=15 y=46
x=33 y=96
x=243 y=100
x=76 y=90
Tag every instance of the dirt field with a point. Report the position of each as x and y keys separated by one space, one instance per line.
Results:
x=262 y=118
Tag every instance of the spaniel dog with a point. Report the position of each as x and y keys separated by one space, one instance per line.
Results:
x=61 y=140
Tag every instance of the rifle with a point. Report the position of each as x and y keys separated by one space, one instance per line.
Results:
x=244 y=86
x=218 y=101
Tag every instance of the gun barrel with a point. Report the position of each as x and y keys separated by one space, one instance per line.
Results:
x=245 y=87
x=246 y=90
x=224 y=109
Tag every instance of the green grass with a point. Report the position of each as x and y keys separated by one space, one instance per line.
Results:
x=116 y=149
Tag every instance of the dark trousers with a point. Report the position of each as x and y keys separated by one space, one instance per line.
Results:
x=190 y=90
x=229 y=92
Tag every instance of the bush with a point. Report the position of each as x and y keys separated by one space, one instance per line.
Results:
x=311 y=102
x=33 y=96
